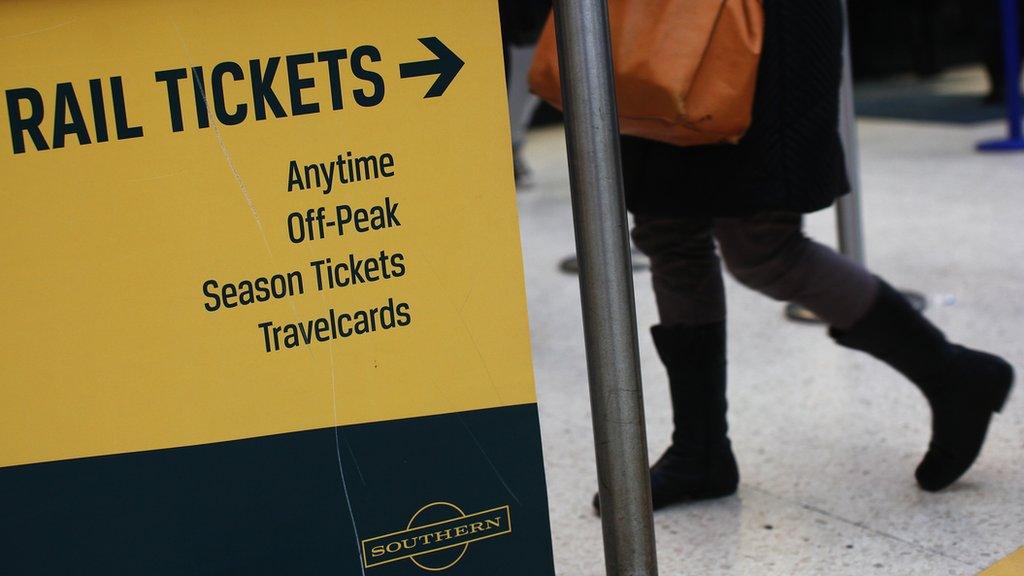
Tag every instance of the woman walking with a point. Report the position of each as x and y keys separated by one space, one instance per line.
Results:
x=749 y=198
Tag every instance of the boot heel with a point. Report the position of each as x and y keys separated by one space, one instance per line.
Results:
x=1001 y=391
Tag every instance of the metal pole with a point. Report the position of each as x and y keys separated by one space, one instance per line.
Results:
x=606 y=286
x=1009 y=14
x=849 y=222
x=848 y=212
x=1011 y=55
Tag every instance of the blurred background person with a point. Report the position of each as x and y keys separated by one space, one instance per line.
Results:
x=521 y=24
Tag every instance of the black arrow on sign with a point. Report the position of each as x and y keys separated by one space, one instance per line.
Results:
x=446 y=66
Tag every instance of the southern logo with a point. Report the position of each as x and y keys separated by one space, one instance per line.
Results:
x=437 y=536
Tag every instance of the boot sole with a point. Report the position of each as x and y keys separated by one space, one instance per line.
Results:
x=692 y=497
x=999 y=392
x=710 y=494
x=682 y=499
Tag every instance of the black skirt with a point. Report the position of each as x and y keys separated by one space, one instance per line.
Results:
x=790 y=160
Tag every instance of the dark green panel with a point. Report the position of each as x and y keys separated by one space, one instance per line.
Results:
x=278 y=504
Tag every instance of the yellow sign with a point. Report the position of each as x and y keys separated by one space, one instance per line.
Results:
x=230 y=219
x=262 y=291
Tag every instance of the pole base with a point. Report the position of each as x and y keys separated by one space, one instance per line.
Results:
x=1004 y=145
x=798 y=313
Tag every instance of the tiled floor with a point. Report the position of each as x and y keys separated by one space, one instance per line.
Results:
x=827 y=439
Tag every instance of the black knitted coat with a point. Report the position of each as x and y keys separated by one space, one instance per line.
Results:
x=790 y=160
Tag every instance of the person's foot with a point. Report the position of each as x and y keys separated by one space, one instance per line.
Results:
x=973 y=386
x=699 y=464
x=522 y=171
x=964 y=387
x=679 y=477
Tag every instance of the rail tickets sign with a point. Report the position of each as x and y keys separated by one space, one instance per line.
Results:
x=263 y=299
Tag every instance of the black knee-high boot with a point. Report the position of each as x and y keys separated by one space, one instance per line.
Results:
x=699 y=464
x=964 y=387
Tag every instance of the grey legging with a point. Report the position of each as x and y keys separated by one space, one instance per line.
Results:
x=767 y=252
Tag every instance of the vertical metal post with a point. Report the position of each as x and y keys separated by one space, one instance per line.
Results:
x=606 y=286
x=848 y=211
x=1011 y=55
x=1010 y=16
x=849 y=222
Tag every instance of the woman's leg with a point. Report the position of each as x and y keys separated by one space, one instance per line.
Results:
x=691 y=343
x=685 y=268
x=771 y=254
x=964 y=387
